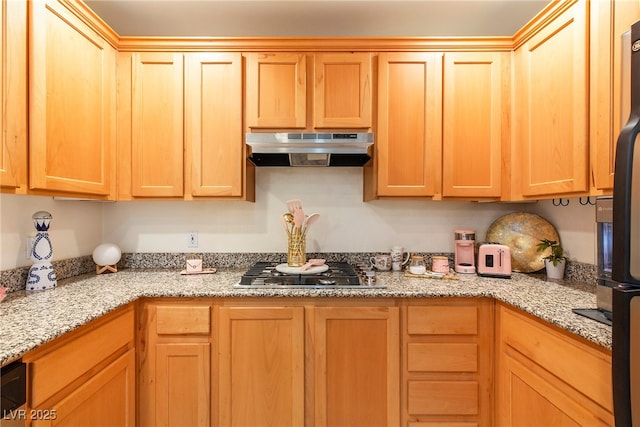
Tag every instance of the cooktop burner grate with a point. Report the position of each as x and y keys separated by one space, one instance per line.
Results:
x=339 y=275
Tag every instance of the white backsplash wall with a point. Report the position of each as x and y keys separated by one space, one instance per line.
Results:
x=346 y=223
x=76 y=228
x=576 y=225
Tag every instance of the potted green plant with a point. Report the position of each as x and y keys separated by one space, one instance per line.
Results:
x=555 y=261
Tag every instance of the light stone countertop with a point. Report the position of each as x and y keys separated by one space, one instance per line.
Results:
x=30 y=319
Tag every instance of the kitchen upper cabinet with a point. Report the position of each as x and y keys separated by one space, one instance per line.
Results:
x=546 y=377
x=448 y=364
x=86 y=376
x=356 y=366
x=408 y=148
x=180 y=126
x=71 y=104
x=13 y=89
x=261 y=366
x=475 y=123
x=151 y=118
x=279 y=95
x=609 y=88
x=174 y=348
x=342 y=90
x=213 y=124
x=552 y=108
x=276 y=90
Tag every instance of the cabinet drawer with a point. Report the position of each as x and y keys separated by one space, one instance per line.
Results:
x=183 y=320
x=56 y=369
x=442 y=357
x=443 y=398
x=442 y=320
x=561 y=355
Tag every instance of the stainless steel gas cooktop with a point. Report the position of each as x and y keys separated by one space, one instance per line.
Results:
x=339 y=275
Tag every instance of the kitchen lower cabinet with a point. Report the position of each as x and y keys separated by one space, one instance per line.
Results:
x=261 y=366
x=13 y=90
x=356 y=366
x=551 y=113
x=72 y=104
x=86 y=377
x=547 y=377
x=447 y=362
x=174 y=357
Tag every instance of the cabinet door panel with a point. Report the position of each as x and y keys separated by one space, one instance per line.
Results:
x=107 y=399
x=539 y=386
x=473 y=125
x=72 y=103
x=13 y=89
x=276 y=90
x=183 y=384
x=409 y=139
x=261 y=366
x=555 y=110
x=342 y=90
x=610 y=92
x=157 y=125
x=213 y=114
x=529 y=399
x=357 y=366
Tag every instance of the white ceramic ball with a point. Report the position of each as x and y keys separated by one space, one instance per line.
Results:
x=106 y=254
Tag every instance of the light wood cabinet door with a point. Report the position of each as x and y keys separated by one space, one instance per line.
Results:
x=71 y=104
x=183 y=384
x=553 y=106
x=213 y=124
x=157 y=139
x=276 y=85
x=408 y=149
x=107 y=399
x=541 y=377
x=342 y=90
x=86 y=377
x=13 y=89
x=475 y=123
x=174 y=354
x=610 y=69
x=356 y=366
x=261 y=366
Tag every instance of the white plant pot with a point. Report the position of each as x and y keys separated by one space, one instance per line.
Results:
x=555 y=271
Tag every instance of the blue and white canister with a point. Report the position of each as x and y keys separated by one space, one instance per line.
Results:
x=41 y=274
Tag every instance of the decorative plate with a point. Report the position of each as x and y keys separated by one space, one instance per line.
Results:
x=522 y=232
x=284 y=268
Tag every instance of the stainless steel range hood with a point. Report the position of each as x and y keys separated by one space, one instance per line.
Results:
x=310 y=148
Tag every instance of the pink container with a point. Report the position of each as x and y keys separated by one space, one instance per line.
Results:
x=440 y=264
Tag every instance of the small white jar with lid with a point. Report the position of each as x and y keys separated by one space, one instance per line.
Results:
x=417 y=265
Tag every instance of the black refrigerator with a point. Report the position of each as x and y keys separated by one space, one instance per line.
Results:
x=626 y=256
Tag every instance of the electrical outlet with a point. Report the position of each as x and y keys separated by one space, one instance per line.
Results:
x=192 y=239
x=28 y=247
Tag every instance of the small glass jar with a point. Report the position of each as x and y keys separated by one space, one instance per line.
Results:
x=417 y=265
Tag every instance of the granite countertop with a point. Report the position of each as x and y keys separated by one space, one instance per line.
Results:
x=30 y=319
